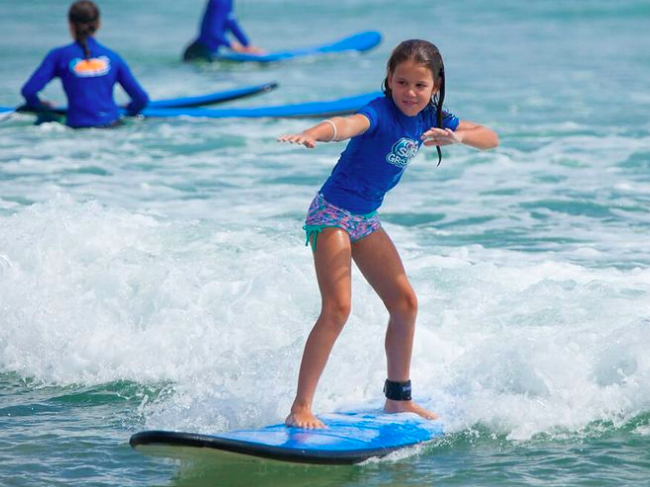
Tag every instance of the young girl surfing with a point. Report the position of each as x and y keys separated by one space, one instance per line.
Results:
x=342 y=222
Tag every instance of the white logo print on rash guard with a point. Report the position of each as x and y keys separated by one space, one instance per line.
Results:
x=402 y=152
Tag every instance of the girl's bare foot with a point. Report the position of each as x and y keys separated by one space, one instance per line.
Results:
x=408 y=407
x=303 y=418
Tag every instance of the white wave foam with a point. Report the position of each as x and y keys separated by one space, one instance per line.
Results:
x=90 y=294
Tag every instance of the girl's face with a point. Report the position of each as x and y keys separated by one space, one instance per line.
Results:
x=412 y=87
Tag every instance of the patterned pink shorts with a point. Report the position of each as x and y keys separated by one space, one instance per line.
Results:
x=322 y=214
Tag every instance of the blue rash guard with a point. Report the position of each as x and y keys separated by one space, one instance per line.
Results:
x=218 y=20
x=373 y=162
x=88 y=84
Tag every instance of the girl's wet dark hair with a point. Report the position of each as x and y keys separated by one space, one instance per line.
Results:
x=84 y=17
x=425 y=54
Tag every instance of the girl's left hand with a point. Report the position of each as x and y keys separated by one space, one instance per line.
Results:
x=436 y=136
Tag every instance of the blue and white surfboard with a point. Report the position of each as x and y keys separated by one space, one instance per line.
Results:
x=316 y=109
x=175 y=103
x=214 y=98
x=360 y=42
x=350 y=437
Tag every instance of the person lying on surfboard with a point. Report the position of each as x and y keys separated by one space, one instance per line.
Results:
x=343 y=225
x=88 y=72
x=218 y=20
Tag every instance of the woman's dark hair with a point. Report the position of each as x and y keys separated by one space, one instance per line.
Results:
x=84 y=17
x=428 y=55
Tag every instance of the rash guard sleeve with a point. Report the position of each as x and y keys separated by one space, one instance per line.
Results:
x=215 y=24
x=139 y=97
x=41 y=77
x=236 y=30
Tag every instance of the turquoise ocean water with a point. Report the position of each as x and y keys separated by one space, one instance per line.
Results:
x=154 y=277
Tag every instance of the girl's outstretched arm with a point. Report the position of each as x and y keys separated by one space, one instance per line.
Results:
x=468 y=133
x=332 y=129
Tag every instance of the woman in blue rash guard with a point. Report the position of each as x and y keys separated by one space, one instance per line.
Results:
x=218 y=20
x=88 y=72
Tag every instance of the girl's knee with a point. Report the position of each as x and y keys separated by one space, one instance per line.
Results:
x=405 y=305
x=337 y=312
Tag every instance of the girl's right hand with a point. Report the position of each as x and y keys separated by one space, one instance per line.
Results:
x=301 y=139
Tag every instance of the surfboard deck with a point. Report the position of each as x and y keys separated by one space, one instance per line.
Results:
x=350 y=438
x=359 y=42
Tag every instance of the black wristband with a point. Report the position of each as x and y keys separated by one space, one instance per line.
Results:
x=397 y=391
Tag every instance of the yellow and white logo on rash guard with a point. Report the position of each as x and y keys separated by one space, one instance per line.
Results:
x=88 y=68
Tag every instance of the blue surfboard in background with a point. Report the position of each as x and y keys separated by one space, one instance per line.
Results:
x=213 y=98
x=330 y=108
x=315 y=109
x=350 y=437
x=175 y=103
x=360 y=42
